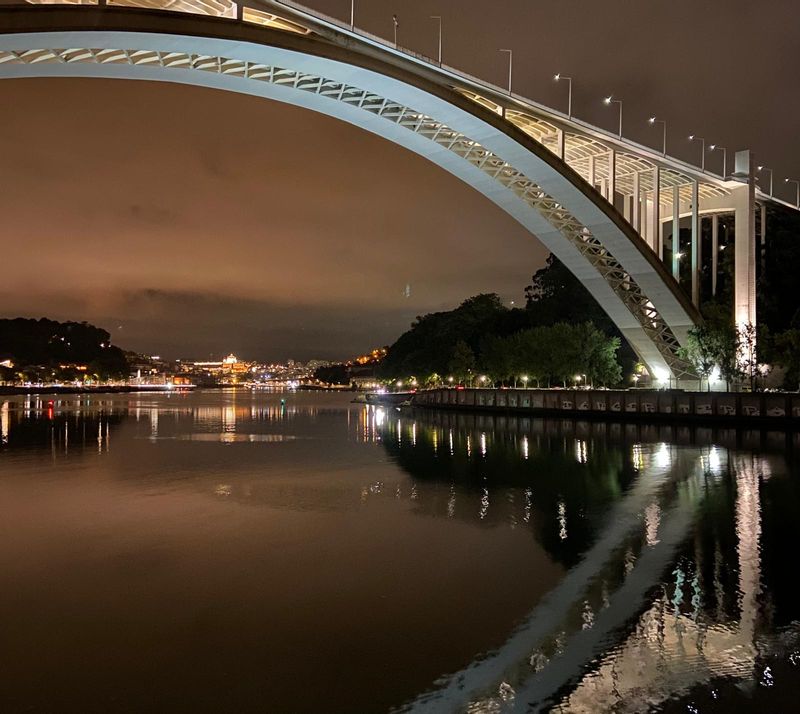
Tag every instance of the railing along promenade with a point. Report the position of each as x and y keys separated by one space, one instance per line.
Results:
x=778 y=408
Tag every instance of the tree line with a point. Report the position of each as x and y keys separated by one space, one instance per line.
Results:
x=46 y=349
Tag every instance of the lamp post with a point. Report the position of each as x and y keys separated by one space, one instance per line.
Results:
x=525 y=380
x=510 y=66
x=396 y=25
x=568 y=80
x=702 y=141
x=797 y=187
x=609 y=100
x=716 y=147
x=655 y=120
x=352 y=15
x=764 y=168
x=438 y=18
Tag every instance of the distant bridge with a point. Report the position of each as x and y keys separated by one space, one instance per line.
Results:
x=599 y=202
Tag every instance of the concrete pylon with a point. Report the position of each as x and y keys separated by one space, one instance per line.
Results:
x=744 y=290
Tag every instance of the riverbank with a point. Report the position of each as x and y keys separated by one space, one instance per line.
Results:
x=49 y=389
x=635 y=404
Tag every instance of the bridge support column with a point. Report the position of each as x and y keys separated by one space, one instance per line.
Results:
x=637 y=203
x=560 y=144
x=676 y=232
x=762 y=235
x=696 y=258
x=655 y=216
x=714 y=253
x=744 y=287
x=592 y=179
x=612 y=176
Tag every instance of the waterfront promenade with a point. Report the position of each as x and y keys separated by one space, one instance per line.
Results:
x=673 y=405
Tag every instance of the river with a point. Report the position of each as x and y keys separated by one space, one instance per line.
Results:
x=236 y=551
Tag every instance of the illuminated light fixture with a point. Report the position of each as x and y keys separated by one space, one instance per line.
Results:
x=765 y=168
x=660 y=375
x=797 y=185
x=702 y=141
x=558 y=77
x=655 y=120
x=717 y=147
x=610 y=100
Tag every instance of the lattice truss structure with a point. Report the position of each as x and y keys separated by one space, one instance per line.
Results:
x=215 y=8
x=622 y=283
x=589 y=158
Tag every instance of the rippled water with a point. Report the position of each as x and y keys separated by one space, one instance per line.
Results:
x=256 y=552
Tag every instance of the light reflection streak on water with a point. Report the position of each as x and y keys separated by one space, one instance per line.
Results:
x=562 y=520
x=4 y=423
x=591 y=597
x=677 y=615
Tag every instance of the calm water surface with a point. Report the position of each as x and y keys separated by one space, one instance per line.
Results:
x=230 y=552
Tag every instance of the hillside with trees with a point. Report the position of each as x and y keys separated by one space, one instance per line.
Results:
x=561 y=333
x=44 y=349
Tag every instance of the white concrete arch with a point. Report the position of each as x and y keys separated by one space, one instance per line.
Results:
x=391 y=99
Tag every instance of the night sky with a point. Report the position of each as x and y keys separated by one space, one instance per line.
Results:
x=191 y=222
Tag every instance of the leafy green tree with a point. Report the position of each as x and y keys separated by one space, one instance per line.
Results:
x=787 y=355
x=462 y=361
x=703 y=350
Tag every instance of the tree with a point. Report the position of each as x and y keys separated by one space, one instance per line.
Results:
x=787 y=355
x=333 y=374
x=702 y=351
x=462 y=361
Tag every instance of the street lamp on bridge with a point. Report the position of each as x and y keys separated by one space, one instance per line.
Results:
x=702 y=141
x=568 y=80
x=609 y=100
x=764 y=168
x=655 y=120
x=510 y=66
x=396 y=25
x=716 y=147
x=797 y=186
x=439 y=19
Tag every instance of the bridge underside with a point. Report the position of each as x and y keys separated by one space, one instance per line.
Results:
x=434 y=119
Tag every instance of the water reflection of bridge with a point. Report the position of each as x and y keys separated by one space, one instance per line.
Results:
x=600 y=640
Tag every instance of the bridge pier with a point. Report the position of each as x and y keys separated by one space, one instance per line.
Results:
x=696 y=257
x=744 y=290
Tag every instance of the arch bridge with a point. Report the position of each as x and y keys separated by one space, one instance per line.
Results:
x=600 y=203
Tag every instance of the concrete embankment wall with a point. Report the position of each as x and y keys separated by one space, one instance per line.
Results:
x=633 y=404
